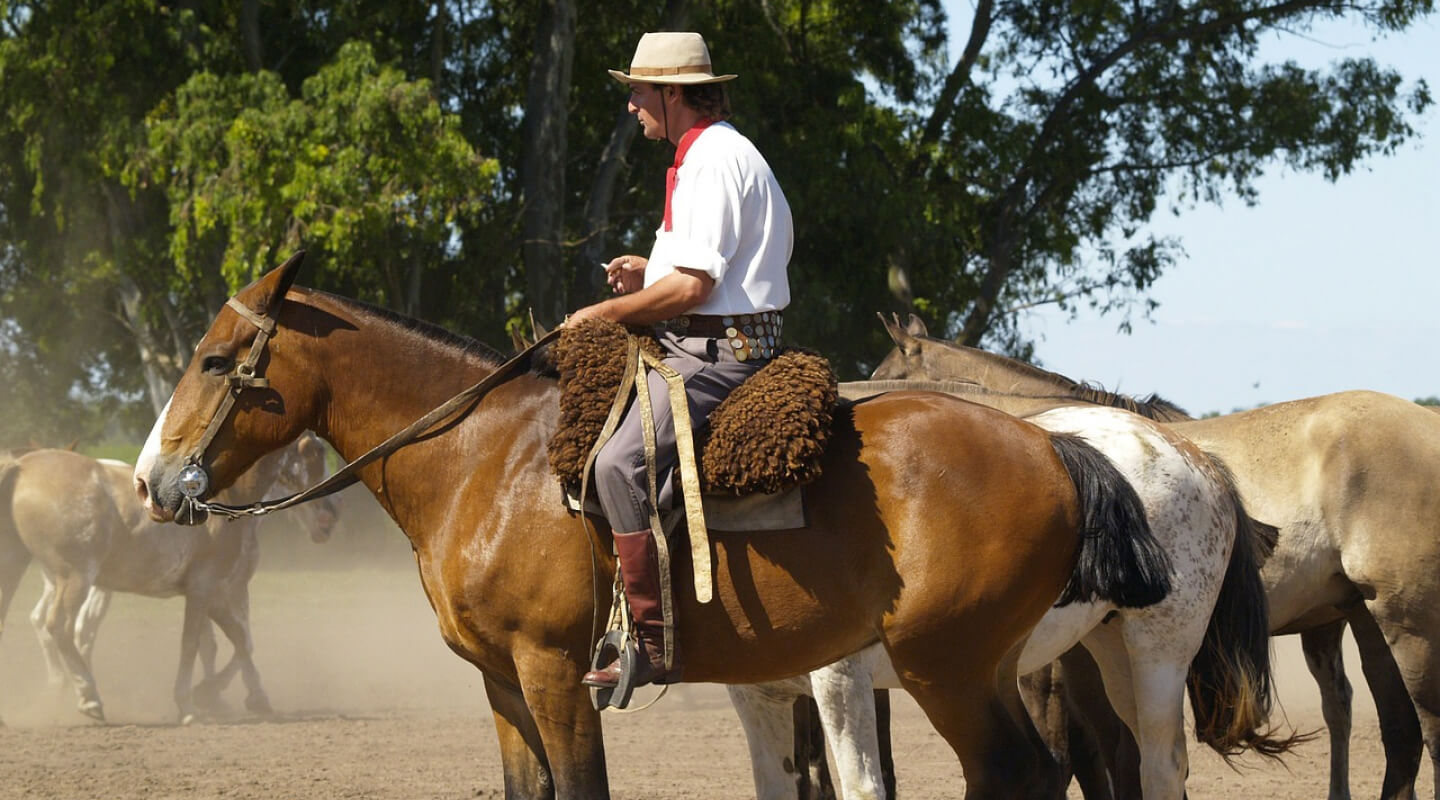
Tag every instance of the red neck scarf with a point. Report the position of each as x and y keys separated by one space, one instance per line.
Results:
x=680 y=151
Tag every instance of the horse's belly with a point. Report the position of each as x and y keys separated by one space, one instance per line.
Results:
x=1302 y=575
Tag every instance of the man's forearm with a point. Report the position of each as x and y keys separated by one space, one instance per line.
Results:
x=668 y=297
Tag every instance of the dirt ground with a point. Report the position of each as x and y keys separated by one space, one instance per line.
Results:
x=371 y=704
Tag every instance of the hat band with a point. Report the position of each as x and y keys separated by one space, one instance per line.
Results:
x=649 y=72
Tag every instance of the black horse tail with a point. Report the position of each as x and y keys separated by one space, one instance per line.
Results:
x=1230 y=680
x=1120 y=560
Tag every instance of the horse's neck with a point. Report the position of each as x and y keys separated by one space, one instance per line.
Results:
x=1000 y=374
x=420 y=481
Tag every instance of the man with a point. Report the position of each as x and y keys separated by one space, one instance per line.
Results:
x=715 y=283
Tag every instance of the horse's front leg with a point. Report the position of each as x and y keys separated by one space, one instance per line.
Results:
x=522 y=754
x=1326 y=662
x=568 y=724
x=844 y=692
x=766 y=712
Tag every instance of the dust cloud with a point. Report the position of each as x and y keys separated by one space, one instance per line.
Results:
x=339 y=628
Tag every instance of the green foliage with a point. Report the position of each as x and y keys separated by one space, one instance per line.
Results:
x=153 y=158
x=364 y=168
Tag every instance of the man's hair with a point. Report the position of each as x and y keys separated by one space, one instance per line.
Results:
x=710 y=99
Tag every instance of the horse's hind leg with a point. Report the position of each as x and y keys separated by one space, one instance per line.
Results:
x=234 y=619
x=1327 y=666
x=1399 y=726
x=71 y=591
x=1411 y=630
x=87 y=625
x=55 y=671
x=976 y=714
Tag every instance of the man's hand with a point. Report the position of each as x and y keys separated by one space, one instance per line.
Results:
x=626 y=274
x=588 y=312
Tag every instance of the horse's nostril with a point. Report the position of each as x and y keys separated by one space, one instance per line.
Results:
x=142 y=491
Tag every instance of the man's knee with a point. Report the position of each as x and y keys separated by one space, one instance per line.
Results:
x=617 y=467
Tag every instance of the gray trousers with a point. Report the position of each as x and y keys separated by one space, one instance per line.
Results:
x=711 y=372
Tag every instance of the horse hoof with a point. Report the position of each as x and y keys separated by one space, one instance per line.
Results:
x=93 y=710
x=187 y=719
x=259 y=705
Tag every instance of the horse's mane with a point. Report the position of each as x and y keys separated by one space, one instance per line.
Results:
x=428 y=330
x=1151 y=407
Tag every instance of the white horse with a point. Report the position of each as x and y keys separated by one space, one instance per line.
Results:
x=78 y=517
x=1214 y=618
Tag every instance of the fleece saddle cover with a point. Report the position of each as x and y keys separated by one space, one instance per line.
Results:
x=767 y=437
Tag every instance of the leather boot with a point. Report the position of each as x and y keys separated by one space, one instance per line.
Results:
x=640 y=573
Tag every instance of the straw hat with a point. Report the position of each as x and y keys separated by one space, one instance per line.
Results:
x=670 y=57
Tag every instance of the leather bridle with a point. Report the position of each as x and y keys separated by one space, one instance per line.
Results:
x=195 y=481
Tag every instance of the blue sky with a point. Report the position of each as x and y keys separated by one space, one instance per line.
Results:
x=1319 y=288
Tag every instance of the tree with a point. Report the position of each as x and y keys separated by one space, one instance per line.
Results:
x=364 y=168
x=437 y=159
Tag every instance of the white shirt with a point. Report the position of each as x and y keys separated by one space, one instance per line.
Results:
x=729 y=219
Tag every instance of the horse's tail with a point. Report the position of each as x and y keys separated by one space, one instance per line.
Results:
x=14 y=556
x=1120 y=560
x=1229 y=681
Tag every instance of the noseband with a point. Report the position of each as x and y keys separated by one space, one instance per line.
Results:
x=195 y=481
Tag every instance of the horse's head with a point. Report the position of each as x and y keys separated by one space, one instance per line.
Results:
x=907 y=360
x=242 y=396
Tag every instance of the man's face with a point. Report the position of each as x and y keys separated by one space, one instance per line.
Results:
x=647 y=104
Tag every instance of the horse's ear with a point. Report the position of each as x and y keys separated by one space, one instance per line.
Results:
x=536 y=329
x=517 y=340
x=278 y=281
x=916 y=327
x=903 y=339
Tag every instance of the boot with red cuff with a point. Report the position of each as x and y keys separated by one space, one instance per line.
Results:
x=640 y=573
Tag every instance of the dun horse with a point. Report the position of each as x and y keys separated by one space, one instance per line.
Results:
x=941 y=529
x=79 y=519
x=1349 y=479
x=1214 y=617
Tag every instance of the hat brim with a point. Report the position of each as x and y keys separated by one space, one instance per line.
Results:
x=691 y=79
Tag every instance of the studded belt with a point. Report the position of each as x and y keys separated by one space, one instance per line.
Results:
x=750 y=336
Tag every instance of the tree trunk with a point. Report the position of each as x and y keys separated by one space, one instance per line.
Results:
x=588 y=280
x=542 y=163
x=162 y=369
x=250 y=30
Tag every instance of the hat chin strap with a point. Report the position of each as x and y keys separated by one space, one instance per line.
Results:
x=665 y=113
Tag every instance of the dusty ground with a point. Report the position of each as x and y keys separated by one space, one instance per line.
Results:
x=372 y=705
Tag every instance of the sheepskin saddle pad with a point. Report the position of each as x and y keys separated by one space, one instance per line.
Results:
x=767 y=436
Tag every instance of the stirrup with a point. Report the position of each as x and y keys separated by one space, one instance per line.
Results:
x=615 y=645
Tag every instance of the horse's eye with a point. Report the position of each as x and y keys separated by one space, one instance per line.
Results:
x=217 y=365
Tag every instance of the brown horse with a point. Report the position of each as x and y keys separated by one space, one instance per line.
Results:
x=1349 y=479
x=941 y=529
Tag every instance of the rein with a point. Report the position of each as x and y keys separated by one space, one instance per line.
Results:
x=243 y=377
